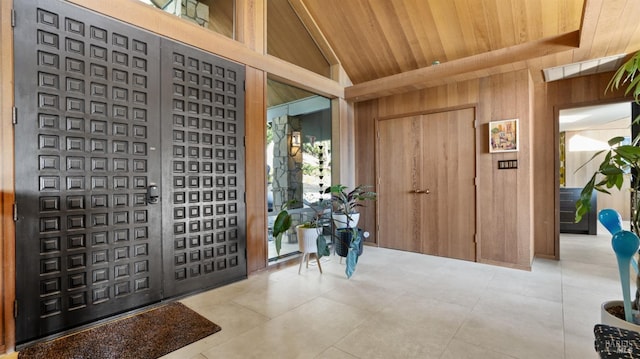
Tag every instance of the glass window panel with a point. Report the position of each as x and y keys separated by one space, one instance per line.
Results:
x=215 y=15
x=298 y=158
x=289 y=40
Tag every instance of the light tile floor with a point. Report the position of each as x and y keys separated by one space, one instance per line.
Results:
x=407 y=305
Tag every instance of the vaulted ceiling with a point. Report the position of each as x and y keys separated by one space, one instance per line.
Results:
x=389 y=46
x=379 y=38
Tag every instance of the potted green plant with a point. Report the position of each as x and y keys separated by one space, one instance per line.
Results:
x=282 y=224
x=310 y=237
x=617 y=162
x=349 y=239
x=311 y=227
x=346 y=203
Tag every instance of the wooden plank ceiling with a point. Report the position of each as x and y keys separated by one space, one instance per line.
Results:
x=392 y=44
x=379 y=38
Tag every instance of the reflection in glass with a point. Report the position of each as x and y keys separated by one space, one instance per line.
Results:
x=215 y=15
x=298 y=171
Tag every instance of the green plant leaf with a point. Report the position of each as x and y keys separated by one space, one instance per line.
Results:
x=627 y=74
x=628 y=154
x=611 y=170
x=280 y=226
x=633 y=87
x=323 y=248
x=352 y=260
x=282 y=223
x=352 y=255
x=619 y=181
x=278 y=242
x=583 y=204
x=615 y=140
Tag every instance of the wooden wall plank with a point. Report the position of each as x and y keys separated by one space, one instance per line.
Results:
x=7 y=226
x=284 y=28
x=309 y=22
x=549 y=99
x=256 y=176
x=365 y=115
x=504 y=199
x=504 y=196
x=251 y=24
x=543 y=173
x=342 y=143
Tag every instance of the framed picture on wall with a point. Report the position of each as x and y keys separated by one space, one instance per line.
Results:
x=503 y=136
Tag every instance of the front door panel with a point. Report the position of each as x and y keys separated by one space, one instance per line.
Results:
x=130 y=168
x=88 y=243
x=203 y=153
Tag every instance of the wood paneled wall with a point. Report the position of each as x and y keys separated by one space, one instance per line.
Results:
x=504 y=196
x=507 y=228
x=366 y=114
x=504 y=200
x=251 y=25
x=549 y=99
x=342 y=143
x=255 y=168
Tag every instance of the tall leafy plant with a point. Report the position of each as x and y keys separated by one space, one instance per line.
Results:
x=347 y=202
x=618 y=160
x=282 y=224
x=284 y=221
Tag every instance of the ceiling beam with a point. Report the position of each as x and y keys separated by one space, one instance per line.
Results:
x=589 y=24
x=420 y=78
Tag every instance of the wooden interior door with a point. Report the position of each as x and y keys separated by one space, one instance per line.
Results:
x=426 y=186
x=399 y=174
x=449 y=161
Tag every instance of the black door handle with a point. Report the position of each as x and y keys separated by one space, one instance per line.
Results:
x=153 y=193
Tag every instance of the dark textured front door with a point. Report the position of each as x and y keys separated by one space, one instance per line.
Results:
x=203 y=155
x=129 y=168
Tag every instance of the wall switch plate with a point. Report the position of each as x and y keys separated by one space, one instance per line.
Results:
x=507 y=164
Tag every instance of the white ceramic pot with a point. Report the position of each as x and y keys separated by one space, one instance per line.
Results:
x=609 y=319
x=340 y=220
x=307 y=239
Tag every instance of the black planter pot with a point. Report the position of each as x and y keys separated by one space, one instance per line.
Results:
x=343 y=239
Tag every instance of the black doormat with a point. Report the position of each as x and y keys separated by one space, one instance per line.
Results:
x=150 y=334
